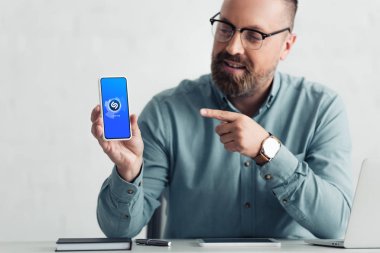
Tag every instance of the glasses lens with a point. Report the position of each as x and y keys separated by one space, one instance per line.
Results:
x=221 y=31
x=251 y=39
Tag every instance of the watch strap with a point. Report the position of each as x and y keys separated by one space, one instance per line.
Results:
x=261 y=158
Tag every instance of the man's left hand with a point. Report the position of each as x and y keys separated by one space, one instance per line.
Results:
x=238 y=132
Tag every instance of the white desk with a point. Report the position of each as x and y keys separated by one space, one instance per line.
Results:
x=181 y=246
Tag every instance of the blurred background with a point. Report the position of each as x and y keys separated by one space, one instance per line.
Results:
x=53 y=52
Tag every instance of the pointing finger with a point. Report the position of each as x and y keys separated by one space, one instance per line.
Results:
x=219 y=114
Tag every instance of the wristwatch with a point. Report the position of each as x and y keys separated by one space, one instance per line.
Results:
x=269 y=149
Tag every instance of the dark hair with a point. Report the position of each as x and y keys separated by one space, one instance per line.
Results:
x=292 y=5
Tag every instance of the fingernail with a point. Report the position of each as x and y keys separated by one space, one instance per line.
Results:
x=203 y=112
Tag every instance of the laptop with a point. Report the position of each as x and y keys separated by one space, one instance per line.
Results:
x=364 y=223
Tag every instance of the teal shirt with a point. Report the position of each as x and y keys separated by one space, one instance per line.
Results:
x=212 y=192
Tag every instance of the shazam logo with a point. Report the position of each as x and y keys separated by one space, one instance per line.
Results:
x=112 y=106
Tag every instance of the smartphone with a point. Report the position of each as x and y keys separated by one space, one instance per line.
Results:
x=114 y=108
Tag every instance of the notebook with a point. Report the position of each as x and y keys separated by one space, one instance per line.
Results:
x=86 y=244
x=364 y=223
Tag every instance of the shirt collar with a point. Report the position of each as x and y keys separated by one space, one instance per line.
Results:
x=274 y=89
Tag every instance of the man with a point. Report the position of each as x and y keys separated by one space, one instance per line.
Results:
x=269 y=157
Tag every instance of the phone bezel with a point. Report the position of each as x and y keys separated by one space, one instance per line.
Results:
x=101 y=109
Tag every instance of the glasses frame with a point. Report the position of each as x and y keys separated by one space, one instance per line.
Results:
x=241 y=30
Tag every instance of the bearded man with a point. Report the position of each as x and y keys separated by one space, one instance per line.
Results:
x=245 y=151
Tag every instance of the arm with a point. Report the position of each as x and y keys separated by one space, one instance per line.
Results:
x=316 y=190
x=114 y=202
x=124 y=208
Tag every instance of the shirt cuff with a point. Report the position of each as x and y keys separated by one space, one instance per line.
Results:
x=123 y=190
x=280 y=169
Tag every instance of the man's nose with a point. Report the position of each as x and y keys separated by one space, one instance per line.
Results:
x=235 y=46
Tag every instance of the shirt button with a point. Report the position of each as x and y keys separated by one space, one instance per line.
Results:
x=247 y=163
x=130 y=191
x=285 y=201
x=126 y=216
x=247 y=205
x=268 y=177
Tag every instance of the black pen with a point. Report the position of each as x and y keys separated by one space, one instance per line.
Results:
x=153 y=242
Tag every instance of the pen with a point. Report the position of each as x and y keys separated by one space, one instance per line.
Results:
x=153 y=242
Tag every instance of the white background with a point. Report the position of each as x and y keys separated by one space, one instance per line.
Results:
x=53 y=52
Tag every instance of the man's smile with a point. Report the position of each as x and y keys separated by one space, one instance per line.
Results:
x=233 y=64
x=234 y=67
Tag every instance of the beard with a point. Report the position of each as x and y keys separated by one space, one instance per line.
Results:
x=238 y=85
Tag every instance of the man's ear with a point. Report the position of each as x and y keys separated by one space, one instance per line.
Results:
x=290 y=40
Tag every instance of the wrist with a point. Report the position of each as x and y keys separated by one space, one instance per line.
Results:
x=130 y=172
x=269 y=148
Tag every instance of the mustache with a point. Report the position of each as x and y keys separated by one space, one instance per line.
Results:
x=220 y=57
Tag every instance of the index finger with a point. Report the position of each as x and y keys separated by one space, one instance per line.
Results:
x=95 y=113
x=219 y=114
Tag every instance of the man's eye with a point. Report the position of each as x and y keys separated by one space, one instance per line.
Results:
x=225 y=30
x=253 y=36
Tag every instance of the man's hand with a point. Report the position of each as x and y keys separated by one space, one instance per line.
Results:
x=238 y=132
x=127 y=155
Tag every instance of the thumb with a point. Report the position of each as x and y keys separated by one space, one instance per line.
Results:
x=134 y=126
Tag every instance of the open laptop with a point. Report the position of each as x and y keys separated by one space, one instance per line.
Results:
x=364 y=223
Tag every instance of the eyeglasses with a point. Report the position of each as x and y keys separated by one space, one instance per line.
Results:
x=253 y=39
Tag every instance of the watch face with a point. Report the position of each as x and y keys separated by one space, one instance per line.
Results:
x=271 y=147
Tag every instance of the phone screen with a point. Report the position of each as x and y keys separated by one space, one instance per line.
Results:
x=115 y=109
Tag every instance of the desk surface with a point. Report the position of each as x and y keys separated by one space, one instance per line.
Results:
x=181 y=246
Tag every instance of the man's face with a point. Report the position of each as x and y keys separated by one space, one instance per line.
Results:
x=242 y=72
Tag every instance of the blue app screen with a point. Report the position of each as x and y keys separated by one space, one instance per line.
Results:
x=114 y=97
